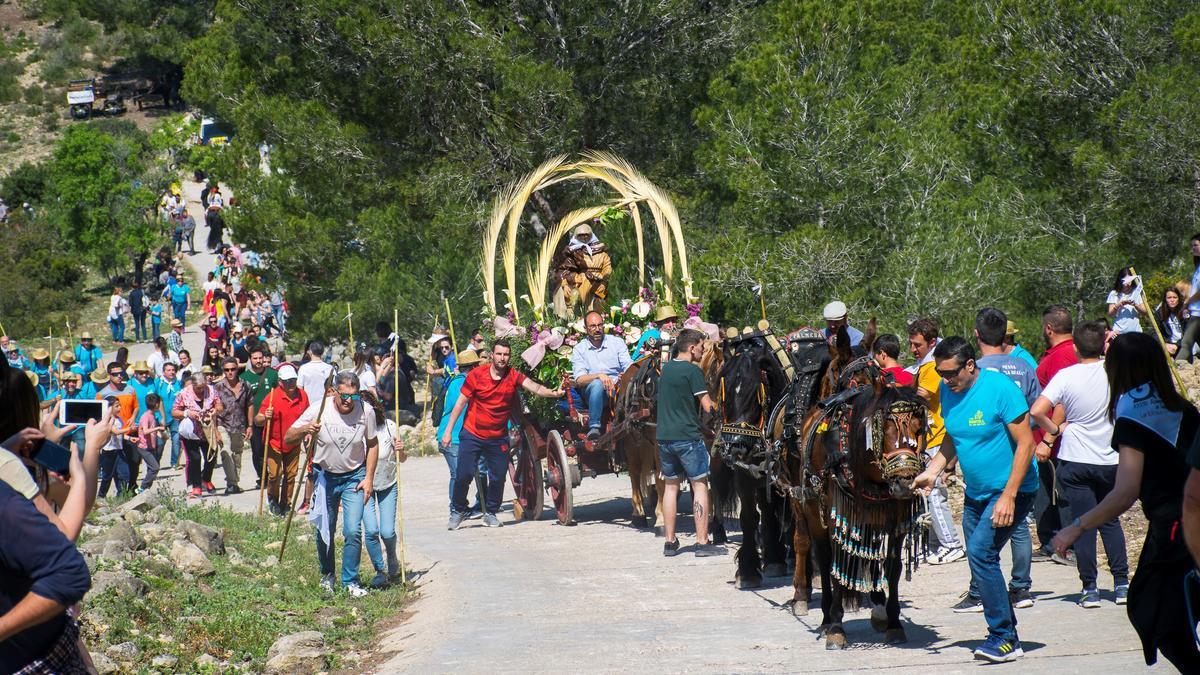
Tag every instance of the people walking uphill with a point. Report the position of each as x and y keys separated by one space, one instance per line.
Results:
x=1014 y=349
x=261 y=380
x=181 y=302
x=1087 y=462
x=282 y=406
x=379 y=518
x=492 y=395
x=117 y=308
x=126 y=461
x=682 y=393
x=468 y=360
x=345 y=458
x=1153 y=427
x=139 y=308
x=987 y=431
x=150 y=431
x=196 y=405
x=168 y=387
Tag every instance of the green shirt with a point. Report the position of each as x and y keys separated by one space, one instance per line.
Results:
x=678 y=410
x=260 y=385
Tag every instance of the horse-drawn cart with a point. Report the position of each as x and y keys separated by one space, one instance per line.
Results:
x=555 y=456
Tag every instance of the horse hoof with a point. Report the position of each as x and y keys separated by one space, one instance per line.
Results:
x=835 y=641
x=639 y=522
x=775 y=570
x=895 y=636
x=800 y=608
x=720 y=537
x=749 y=581
x=879 y=619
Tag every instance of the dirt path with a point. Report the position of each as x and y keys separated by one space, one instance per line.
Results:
x=600 y=597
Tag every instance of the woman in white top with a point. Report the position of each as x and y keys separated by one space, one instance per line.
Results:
x=379 y=516
x=117 y=306
x=160 y=356
x=1087 y=462
x=366 y=374
x=1125 y=302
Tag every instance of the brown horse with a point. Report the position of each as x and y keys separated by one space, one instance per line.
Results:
x=849 y=479
x=637 y=407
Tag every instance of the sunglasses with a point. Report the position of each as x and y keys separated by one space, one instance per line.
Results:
x=230 y=370
x=445 y=349
x=346 y=398
x=947 y=374
x=116 y=373
x=478 y=339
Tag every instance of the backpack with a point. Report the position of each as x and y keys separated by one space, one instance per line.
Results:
x=439 y=405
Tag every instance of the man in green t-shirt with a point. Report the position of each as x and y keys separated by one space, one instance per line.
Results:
x=681 y=392
x=261 y=380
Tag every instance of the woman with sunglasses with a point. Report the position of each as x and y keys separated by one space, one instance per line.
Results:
x=442 y=364
x=1153 y=427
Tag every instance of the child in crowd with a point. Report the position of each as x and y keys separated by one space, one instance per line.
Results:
x=156 y=312
x=150 y=429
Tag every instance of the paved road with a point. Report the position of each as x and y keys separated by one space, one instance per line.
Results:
x=599 y=597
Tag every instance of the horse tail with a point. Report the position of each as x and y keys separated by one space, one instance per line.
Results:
x=723 y=489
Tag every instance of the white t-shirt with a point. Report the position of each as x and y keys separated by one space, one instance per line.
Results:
x=342 y=442
x=156 y=361
x=1082 y=389
x=385 y=468
x=211 y=285
x=366 y=379
x=1126 y=319
x=311 y=376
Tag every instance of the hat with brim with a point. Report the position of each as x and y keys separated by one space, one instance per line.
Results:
x=468 y=357
x=70 y=377
x=207 y=370
x=237 y=329
x=287 y=372
x=176 y=323
x=39 y=354
x=66 y=357
x=141 y=367
x=33 y=377
x=99 y=376
x=665 y=312
x=1011 y=329
x=85 y=335
x=834 y=311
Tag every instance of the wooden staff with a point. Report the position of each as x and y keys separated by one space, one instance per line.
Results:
x=312 y=446
x=450 y=325
x=762 y=302
x=399 y=493
x=1154 y=322
x=262 y=489
x=428 y=395
x=350 y=327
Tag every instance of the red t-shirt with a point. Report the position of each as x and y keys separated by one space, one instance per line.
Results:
x=491 y=401
x=1055 y=359
x=901 y=376
x=287 y=411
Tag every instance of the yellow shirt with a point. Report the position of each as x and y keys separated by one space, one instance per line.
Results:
x=930 y=381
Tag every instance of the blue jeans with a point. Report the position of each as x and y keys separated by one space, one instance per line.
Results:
x=382 y=525
x=117 y=327
x=451 y=455
x=983 y=553
x=595 y=395
x=173 y=430
x=1021 y=547
x=277 y=310
x=113 y=464
x=179 y=311
x=139 y=326
x=155 y=328
x=494 y=453
x=341 y=490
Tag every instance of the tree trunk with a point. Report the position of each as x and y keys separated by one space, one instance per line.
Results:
x=139 y=267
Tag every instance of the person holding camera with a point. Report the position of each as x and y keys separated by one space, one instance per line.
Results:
x=1126 y=305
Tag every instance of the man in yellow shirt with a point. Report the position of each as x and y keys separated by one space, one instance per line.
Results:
x=922 y=338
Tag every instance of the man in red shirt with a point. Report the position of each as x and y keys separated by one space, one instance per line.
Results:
x=1060 y=353
x=492 y=393
x=283 y=406
x=215 y=336
x=887 y=353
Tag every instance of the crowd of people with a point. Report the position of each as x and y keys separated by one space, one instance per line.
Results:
x=1056 y=447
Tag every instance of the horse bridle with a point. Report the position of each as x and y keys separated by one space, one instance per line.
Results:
x=762 y=462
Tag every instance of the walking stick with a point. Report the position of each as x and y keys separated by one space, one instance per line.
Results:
x=399 y=492
x=428 y=395
x=312 y=446
x=350 y=326
x=1154 y=322
x=450 y=324
x=262 y=489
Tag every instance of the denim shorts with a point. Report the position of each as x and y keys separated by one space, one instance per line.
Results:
x=683 y=458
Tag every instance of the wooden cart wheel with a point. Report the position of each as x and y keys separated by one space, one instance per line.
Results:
x=559 y=478
x=525 y=473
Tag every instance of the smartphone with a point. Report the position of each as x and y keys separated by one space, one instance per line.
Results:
x=53 y=456
x=79 y=411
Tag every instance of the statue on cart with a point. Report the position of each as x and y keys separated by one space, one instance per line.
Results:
x=581 y=273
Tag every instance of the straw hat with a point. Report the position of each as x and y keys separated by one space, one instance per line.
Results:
x=85 y=335
x=99 y=375
x=33 y=377
x=1011 y=329
x=141 y=367
x=65 y=356
x=468 y=357
x=70 y=377
x=665 y=312
x=176 y=323
x=39 y=354
x=207 y=370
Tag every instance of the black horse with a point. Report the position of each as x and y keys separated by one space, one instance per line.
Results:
x=751 y=386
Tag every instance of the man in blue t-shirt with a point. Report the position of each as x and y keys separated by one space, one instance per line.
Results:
x=467 y=360
x=987 y=430
x=181 y=302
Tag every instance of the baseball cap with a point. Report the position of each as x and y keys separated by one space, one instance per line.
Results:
x=287 y=372
x=835 y=310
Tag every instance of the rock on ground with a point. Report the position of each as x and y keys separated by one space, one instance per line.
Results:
x=207 y=539
x=165 y=662
x=123 y=652
x=123 y=582
x=121 y=536
x=104 y=665
x=298 y=653
x=190 y=559
x=143 y=503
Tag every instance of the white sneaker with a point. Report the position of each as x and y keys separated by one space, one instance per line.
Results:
x=945 y=555
x=355 y=590
x=327 y=584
